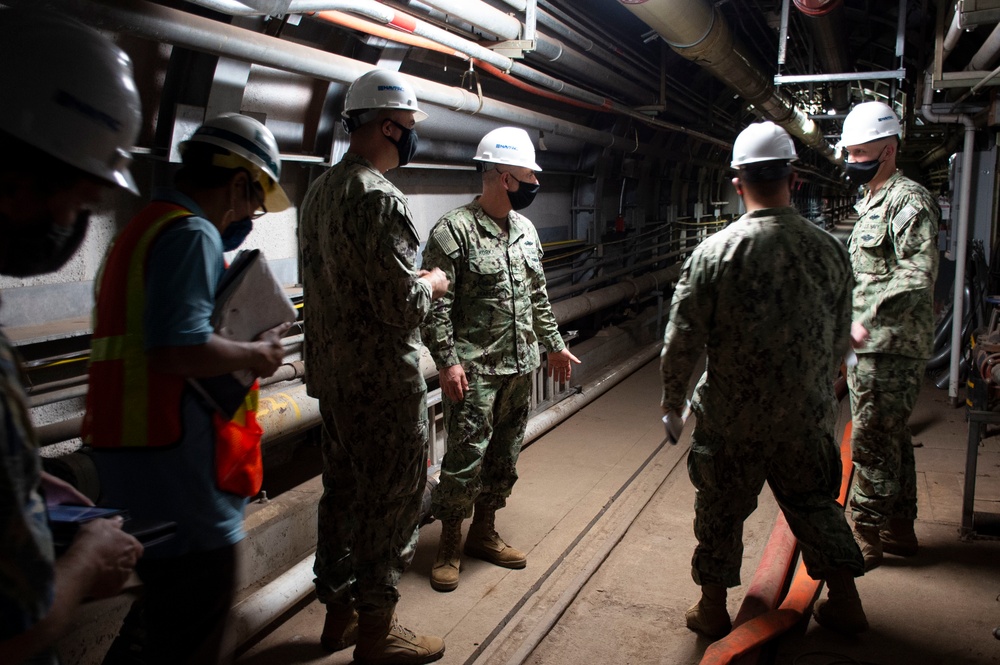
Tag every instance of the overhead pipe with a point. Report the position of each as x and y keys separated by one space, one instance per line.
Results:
x=602 y=103
x=162 y=24
x=621 y=53
x=825 y=20
x=986 y=56
x=412 y=26
x=951 y=37
x=962 y=240
x=696 y=30
x=483 y=17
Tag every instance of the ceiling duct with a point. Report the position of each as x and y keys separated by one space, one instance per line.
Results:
x=825 y=22
x=697 y=31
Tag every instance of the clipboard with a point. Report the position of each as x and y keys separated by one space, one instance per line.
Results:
x=248 y=301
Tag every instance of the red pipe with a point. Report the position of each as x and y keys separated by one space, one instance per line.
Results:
x=817 y=7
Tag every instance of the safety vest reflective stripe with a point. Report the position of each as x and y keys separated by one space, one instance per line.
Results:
x=135 y=417
x=118 y=357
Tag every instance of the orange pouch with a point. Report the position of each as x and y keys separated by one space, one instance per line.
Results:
x=239 y=467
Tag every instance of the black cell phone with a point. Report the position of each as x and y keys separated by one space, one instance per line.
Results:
x=150 y=532
x=66 y=520
x=81 y=514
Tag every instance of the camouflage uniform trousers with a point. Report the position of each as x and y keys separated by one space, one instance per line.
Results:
x=374 y=473
x=729 y=472
x=884 y=389
x=485 y=433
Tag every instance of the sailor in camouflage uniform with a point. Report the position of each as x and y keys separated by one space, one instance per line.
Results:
x=895 y=259
x=768 y=298
x=364 y=302
x=483 y=336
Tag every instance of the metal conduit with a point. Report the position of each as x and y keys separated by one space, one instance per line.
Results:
x=503 y=25
x=962 y=242
x=697 y=31
x=161 y=24
x=587 y=303
x=480 y=15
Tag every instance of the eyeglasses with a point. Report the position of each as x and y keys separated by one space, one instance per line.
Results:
x=258 y=198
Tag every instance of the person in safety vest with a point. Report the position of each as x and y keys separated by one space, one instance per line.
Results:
x=895 y=258
x=160 y=449
x=484 y=336
x=364 y=301
x=69 y=117
x=768 y=299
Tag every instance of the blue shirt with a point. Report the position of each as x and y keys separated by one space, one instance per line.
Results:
x=177 y=483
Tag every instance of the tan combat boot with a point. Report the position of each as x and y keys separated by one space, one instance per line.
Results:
x=898 y=537
x=340 y=630
x=483 y=542
x=444 y=575
x=870 y=543
x=709 y=615
x=842 y=610
x=382 y=641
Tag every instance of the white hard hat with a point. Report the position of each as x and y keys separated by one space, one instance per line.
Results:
x=507 y=145
x=762 y=142
x=69 y=92
x=379 y=89
x=251 y=146
x=867 y=122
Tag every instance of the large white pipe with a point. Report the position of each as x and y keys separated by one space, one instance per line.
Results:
x=252 y=614
x=696 y=30
x=962 y=238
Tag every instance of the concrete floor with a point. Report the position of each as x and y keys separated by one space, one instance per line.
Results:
x=605 y=512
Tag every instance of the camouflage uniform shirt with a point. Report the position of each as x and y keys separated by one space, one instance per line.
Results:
x=26 y=553
x=496 y=309
x=364 y=300
x=769 y=299
x=895 y=259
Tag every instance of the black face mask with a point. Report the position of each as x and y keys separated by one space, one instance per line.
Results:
x=861 y=173
x=236 y=233
x=406 y=146
x=42 y=246
x=524 y=195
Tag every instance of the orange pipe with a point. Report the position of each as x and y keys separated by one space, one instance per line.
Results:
x=403 y=36
x=758 y=630
x=379 y=30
